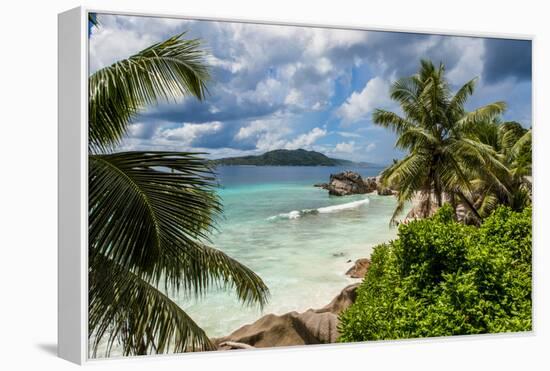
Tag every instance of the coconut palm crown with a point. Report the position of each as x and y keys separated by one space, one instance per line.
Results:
x=437 y=132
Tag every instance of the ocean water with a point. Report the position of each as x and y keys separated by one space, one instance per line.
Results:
x=295 y=236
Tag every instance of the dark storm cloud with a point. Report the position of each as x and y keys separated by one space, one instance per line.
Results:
x=507 y=58
x=400 y=53
x=196 y=111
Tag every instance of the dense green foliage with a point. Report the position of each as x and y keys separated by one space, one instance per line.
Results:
x=284 y=157
x=151 y=213
x=441 y=277
x=511 y=184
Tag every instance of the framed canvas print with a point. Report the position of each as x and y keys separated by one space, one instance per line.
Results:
x=231 y=185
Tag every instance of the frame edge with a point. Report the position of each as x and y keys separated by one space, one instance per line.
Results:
x=72 y=297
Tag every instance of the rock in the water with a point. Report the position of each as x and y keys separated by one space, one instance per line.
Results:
x=384 y=191
x=349 y=183
x=359 y=268
x=371 y=183
x=310 y=327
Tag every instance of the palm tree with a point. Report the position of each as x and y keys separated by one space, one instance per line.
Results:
x=512 y=143
x=435 y=129
x=150 y=213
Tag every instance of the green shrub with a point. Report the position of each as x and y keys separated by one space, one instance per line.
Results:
x=444 y=278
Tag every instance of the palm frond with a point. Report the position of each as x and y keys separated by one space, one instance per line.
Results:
x=151 y=213
x=405 y=90
x=521 y=144
x=510 y=133
x=396 y=213
x=164 y=71
x=92 y=19
x=407 y=175
x=416 y=137
x=485 y=113
x=484 y=159
x=220 y=270
x=489 y=203
x=409 y=167
x=487 y=132
x=391 y=120
x=454 y=172
x=124 y=308
x=456 y=104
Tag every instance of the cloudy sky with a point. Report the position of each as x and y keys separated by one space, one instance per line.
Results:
x=295 y=87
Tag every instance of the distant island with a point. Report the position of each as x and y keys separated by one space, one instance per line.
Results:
x=287 y=157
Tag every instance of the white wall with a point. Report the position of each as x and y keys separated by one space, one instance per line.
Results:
x=28 y=140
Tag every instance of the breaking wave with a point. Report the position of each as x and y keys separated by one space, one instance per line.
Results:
x=295 y=214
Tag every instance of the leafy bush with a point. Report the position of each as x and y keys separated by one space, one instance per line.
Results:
x=444 y=278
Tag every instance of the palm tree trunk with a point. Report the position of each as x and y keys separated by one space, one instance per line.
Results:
x=437 y=190
x=470 y=206
x=438 y=197
x=436 y=186
x=452 y=200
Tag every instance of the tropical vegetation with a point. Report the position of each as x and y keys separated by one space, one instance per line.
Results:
x=151 y=212
x=442 y=277
x=467 y=158
x=464 y=266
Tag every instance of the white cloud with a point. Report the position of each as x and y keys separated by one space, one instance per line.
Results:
x=351 y=150
x=370 y=147
x=230 y=65
x=273 y=134
x=189 y=132
x=136 y=130
x=294 y=98
x=318 y=106
x=269 y=91
x=470 y=64
x=323 y=65
x=345 y=147
x=359 y=104
x=255 y=128
x=322 y=39
x=119 y=37
x=110 y=45
x=266 y=134
x=347 y=134
x=307 y=139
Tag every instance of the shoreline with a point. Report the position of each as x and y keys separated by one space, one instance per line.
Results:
x=312 y=326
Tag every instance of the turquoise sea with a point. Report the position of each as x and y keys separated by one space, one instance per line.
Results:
x=295 y=236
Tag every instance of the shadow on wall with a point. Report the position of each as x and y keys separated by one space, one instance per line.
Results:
x=50 y=348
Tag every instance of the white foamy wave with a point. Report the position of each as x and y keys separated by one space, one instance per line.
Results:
x=336 y=208
x=295 y=214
